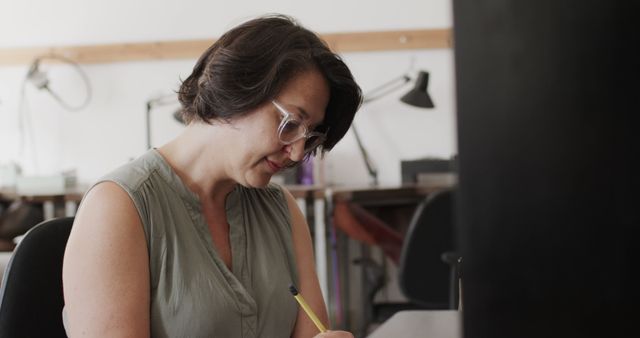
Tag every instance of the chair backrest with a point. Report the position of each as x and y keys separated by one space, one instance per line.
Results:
x=31 y=298
x=423 y=275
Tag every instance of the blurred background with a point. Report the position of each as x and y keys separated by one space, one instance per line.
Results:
x=39 y=135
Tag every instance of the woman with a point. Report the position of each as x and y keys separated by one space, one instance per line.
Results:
x=191 y=239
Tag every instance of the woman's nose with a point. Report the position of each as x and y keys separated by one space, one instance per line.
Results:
x=296 y=150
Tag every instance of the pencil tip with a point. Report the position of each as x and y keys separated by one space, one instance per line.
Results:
x=293 y=289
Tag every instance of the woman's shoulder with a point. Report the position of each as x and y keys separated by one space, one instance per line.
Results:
x=134 y=173
x=122 y=184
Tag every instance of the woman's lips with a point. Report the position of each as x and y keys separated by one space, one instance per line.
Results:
x=274 y=166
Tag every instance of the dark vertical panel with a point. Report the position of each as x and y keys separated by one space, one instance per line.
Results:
x=549 y=194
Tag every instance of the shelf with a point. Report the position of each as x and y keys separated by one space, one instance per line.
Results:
x=191 y=49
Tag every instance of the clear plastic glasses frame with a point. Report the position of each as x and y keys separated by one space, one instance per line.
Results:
x=291 y=130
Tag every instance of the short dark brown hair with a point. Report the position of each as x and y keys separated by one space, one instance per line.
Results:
x=248 y=66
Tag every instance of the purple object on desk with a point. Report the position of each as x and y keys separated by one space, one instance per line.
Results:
x=305 y=174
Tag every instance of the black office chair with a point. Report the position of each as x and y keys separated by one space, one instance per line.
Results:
x=429 y=268
x=31 y=298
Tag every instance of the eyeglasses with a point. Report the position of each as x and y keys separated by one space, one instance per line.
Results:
x=291 y=130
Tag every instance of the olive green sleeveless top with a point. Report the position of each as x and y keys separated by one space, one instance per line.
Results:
x=193 y=293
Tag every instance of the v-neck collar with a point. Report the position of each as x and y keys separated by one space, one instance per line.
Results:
x=237 y=277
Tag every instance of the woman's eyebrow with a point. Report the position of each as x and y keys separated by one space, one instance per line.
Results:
x=306 y=116
x=302 y=112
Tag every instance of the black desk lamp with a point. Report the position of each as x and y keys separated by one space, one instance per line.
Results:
x=417 y=97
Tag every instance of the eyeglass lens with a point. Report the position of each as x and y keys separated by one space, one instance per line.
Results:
x=293 y=130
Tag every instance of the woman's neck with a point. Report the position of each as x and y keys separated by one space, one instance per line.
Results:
x=190 y=157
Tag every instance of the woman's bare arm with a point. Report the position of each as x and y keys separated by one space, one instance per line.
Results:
x=308 y=284
x=106 y=268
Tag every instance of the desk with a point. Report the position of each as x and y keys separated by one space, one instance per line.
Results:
x=69 y=198
x=411 y=324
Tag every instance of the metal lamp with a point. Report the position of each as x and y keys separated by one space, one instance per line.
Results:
x=417 y=97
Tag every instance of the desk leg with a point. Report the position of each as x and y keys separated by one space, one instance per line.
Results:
x=49 y=209
x=302 y=204
x=70 y=208
x=320 y=243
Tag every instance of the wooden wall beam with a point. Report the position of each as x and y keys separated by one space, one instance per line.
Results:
x=191 y=49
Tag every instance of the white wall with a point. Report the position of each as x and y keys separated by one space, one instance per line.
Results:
x=111 y=130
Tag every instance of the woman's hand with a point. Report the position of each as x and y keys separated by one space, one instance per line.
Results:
x=334 y=334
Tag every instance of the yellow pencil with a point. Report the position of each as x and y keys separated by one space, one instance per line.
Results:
x=306 y=308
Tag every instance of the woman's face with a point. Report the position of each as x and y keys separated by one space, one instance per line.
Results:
x=260 y=153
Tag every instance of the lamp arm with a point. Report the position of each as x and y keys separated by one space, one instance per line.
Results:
x=147 y=123
x=388 y=88
x=161 y=100
x=373 y=172
x=376 y=93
